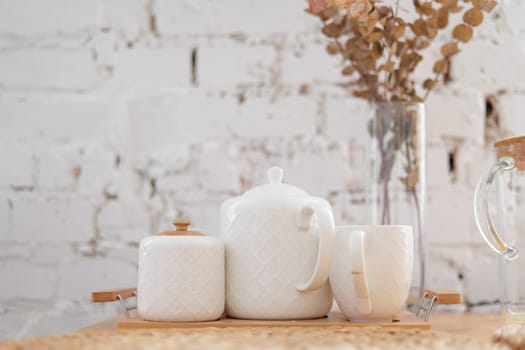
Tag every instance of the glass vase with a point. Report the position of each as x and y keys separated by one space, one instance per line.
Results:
x=397 y=188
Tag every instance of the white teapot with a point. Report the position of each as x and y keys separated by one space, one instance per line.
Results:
x=279 y=244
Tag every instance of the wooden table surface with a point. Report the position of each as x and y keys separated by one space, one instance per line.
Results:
x=477 y=325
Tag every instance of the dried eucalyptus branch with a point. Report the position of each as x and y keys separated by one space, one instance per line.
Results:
x=380 y=50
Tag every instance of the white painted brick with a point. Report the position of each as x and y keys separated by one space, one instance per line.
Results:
x=457 y=113
x=34 y=121
x=443 y=269
x=437 y=163
x=310 y=64
x=160 y=124
x=5 y=218
x=58 y=169
x=319 y=171
x=347 y=120
x=232 y=16
x=155 y=68
x=98 y=169
x=172 y=170
x=512 y=14
x=204 y=214
x=510 y=109
x=128 y=17
x=482 y=277
x=350 y=209
x=503 y=68
x=59 y=322
x=16 y=251
x=124 y=220
x=18 y=169
x=473 y=162
x=261 y=117
x=449 y=217
x=78 y=277
x=25 y=17
x=228 y=66
x=12 y=322
x=177 y=182
x=217 y=169
x=63 y=218
x=51 y=69
x=27 y=280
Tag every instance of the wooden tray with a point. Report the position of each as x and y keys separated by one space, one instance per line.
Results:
x=404 y=320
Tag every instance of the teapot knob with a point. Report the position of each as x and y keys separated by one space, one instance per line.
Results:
x=275 y=175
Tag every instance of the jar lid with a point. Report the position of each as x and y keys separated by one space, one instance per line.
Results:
x=513 y=147
x=181 y=229
x=511 y=141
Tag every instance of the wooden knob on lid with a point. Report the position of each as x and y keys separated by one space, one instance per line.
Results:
x=181 y=229
x=181 y=225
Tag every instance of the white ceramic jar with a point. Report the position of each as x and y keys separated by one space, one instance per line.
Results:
x=279 y=243
x=181 y=276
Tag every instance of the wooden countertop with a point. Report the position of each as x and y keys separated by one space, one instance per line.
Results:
x=449 y=331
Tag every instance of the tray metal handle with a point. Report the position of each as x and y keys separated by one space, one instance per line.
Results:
x=111 y=295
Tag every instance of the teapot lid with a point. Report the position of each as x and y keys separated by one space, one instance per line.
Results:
x=275 y=186
x=181 y=229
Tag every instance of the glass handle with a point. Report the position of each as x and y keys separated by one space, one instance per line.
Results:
x=481 y=210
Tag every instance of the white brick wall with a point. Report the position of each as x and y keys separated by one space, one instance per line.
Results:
x=51 y=218
x=250 y=17
x=108 y=129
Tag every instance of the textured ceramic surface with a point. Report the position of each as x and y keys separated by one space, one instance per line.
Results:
x=279 y=245
x=181 y=278
x=386 y=266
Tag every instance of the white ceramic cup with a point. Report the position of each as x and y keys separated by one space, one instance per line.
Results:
x=372 y=271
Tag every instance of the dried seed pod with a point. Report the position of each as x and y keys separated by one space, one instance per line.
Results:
x=388 y=67
x=429 y=84
x=431 y=29
x=449 y=49
x=384 y=11
x=332 y=48
x=442 y=18
x=463 y=32
x=339 y=3
x=362 y=93
x=375 y=36
x=348 y=70
x=474 y=17
x=399 y=29
x=332 y=30
x=489 y=6
x=441 y=67
x=327 y=14
x=419 y=27
x=422 y=43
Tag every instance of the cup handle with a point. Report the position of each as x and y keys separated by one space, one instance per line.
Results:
x=322 y=210
x=482 y=213
x=357 y=255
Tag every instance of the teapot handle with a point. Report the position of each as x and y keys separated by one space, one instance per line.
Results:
x=321 y=209
x=482 y=213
